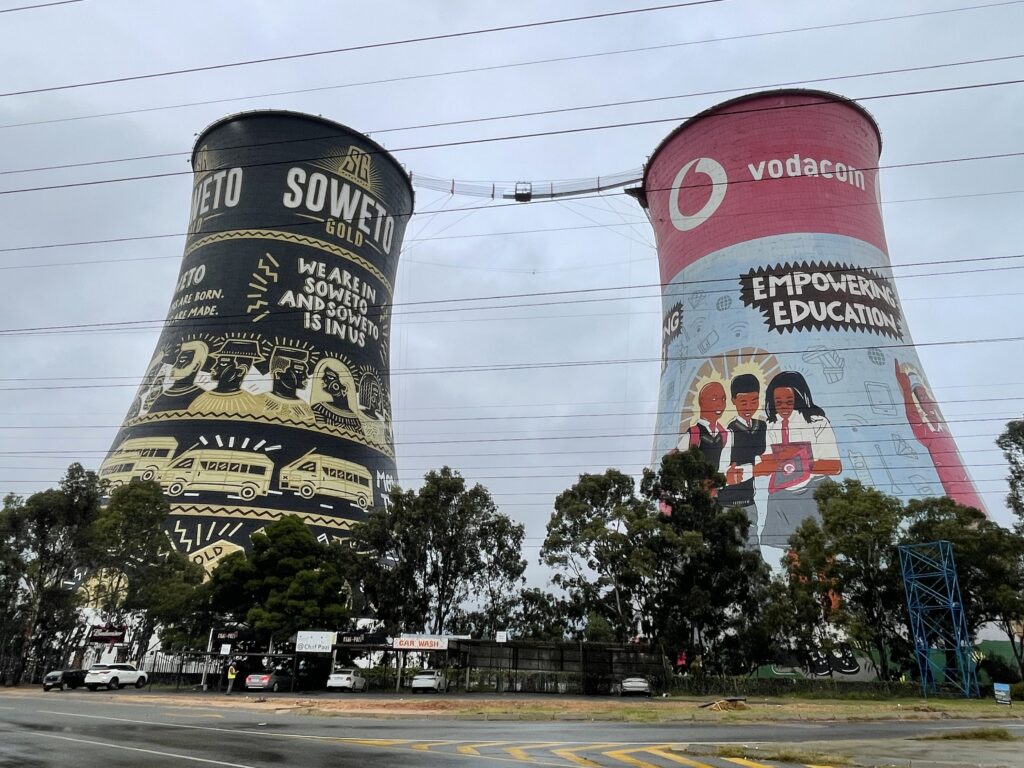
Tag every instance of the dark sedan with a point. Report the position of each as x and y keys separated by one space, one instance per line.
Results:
x=64 y=679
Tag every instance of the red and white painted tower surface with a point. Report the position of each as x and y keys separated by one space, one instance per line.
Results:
x=786 y=356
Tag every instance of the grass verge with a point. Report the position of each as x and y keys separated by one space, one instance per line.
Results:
x=973 y=734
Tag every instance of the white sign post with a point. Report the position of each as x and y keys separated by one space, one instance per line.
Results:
x=314 y=642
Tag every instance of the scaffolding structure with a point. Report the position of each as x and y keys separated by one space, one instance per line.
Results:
x=938 y=624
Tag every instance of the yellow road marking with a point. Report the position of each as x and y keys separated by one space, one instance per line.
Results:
x=519 y=753
x=374 y=742
x=569 y=753
x=624 y=756
x=471 y=749
x=424 y=746
x=745 y=763
x=660 y=752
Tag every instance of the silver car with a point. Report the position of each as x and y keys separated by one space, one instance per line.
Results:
x=633 y=686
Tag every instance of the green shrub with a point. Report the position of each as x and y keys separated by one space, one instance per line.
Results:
x=996 y=669
x=823 y=688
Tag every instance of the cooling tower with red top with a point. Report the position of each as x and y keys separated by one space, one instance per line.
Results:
x=786 y=355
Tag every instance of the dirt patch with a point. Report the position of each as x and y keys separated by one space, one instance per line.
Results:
x=783 y=755
x=726 y=705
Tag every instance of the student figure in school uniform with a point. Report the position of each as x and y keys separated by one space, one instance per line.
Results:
x=749 y=440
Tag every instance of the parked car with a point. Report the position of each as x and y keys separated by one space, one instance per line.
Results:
x=346 y=680
x=429 y=680
x=113 y=676
x=64 y=679
x=270 y=680
x=633 y=686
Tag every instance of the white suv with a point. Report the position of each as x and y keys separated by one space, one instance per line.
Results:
x=114 y=676
x=430 y=680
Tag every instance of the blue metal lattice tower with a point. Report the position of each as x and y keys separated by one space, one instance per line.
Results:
x=938 y=624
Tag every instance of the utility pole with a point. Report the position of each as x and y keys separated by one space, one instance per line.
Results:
x=206 y=661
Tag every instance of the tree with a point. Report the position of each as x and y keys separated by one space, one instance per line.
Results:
x=851 y=565
x=500 y=580
x=989 y=563
x=604 y=544
x=140 y=580
x=12 y=597
x=49 y=532
x=669 y=564
x=288 y=582
x=540 y=615
x=1011 y=441
x=809 y=593
x=717 y=585
x=424 y=557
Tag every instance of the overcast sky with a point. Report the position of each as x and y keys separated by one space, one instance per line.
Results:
x=66 y=392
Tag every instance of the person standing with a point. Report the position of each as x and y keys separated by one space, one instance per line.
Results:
x=232 y=674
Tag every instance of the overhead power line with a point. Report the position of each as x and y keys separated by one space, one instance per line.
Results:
x=495 y=206
x=109 y=241
x=244 y=319
x=461 y=407
x=626 y=51
x=521 y=437
x=222 y=321
x=447 y=456
x=564 y=477
x=363 y=47
x=457 y=419
x=39 y=5
x=556 y=365
x=579 y=465
x=515 y=137
x=543 y=230
x=184 y=153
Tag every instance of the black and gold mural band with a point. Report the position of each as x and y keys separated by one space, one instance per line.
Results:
x=268 y=392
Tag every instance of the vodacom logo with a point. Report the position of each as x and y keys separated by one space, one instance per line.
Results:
x=719 y=184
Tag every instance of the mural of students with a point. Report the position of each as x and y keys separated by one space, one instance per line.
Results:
x=931 y=430
x=706 y=433
x=151 y=387
x=802 y=451
x=188 y=360
x=373 y=400
x=289 y=371
x=748 y=444
x=231 y=363
x=334 y=399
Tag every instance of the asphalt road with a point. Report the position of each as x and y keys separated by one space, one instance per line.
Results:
x=91 y=731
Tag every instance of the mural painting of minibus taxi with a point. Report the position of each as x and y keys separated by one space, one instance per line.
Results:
x=244 y=473
x=141 y=458
x=315 y=473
